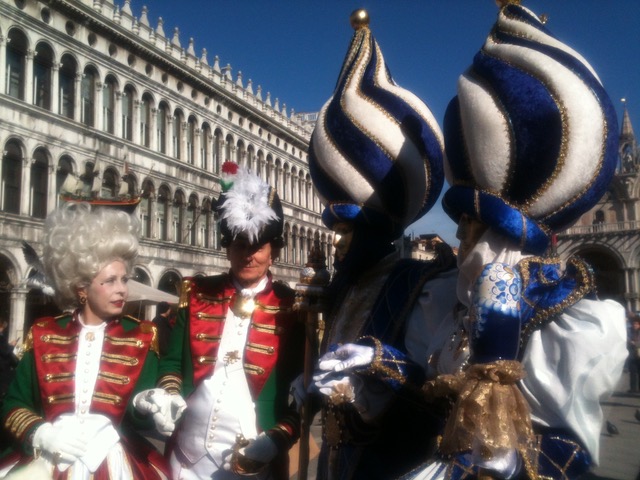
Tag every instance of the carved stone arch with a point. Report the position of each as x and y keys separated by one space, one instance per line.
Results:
x=110 y=183
x=608 y=267
x=170 y=282
x=12 y=165
x=229 y=148
x=39 y=182
x=67 y=75
x=17 y=47
x=42 y=75
x=240 y=156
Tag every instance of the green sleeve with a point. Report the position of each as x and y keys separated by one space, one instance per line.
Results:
x=23 y=394
x=146 y=381
x=177 y=361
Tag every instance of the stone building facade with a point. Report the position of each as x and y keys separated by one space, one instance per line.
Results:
x=93 y=96
x=608 y=236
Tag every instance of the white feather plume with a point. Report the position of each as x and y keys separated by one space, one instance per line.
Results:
x=246 y=208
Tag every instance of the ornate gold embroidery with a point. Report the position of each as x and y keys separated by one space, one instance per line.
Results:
x=114 y=378
x=231 y=357
x=266 y=349
x=209 y=299
x=205 y=360
x=269 y=309
x=208 y=338
x=171 y=383
x=58 y=377
x=58 y=357
x=59 y=339
x=27 y=345
x=206 y=316
x=107 y=398
x=119 y=359
x=20 y=420
x=263 y=327
x=130 y=341
x=185 y=291
x=253 y=369
x=62 y=398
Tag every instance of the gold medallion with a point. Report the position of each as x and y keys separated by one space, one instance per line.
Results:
x=90 y=336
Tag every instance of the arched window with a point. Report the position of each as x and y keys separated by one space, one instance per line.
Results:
x=148 y=190
x=177 y=217
x=42 y=67
x=15 y=64
x=205 y=146
x=39 y=181
x=109 y=184
x=240 y=153
x=229 y=149
x=217 y=150
x=161 y=127
x=191 y=140
x=108 y=105
x=11 y=177
x=64 y=174
x=192 y=221
x=164 y=202
x=67 y=79
x=88 y=96
x=127 y=113
x=176 y=135
x=204 y=223
x=145 y=120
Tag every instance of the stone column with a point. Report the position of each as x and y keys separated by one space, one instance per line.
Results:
x=18 y=303
x=28 y=77
x=3 y=63
x=55 y=88
x=117 y=114
x=25 y=191
x=77 y=98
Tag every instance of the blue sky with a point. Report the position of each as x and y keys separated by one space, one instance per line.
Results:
x=294 y=48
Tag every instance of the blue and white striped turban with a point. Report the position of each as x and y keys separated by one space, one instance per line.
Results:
x=376 y=153
x=531 y=137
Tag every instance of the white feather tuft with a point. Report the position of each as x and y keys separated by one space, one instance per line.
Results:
x=246 y=208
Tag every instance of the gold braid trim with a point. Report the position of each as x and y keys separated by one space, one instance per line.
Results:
x=20 y=421
x=490 y=415
x=171 y=384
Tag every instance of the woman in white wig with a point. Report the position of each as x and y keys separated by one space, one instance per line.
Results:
x=68 y=409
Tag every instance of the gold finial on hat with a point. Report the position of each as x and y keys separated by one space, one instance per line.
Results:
x=359 y=19
x=504 y=3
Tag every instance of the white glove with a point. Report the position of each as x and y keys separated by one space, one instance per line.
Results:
x=59 y=444
x=335 y=387
x=346 y=356
x=166 y=408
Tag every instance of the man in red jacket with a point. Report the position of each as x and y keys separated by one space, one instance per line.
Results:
x=234 y=351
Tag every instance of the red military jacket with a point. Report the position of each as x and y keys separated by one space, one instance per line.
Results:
x=52 y=345
x=273 y=352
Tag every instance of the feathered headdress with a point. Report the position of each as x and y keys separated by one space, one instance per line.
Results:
x=248 y=206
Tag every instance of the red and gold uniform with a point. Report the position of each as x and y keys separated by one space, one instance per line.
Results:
x=225 y=351
x=44 y=389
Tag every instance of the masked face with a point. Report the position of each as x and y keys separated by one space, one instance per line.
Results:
x=469 y=232
x=342 y=239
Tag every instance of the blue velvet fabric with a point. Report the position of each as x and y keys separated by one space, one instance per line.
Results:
x=547 y=290
x=384 y=174
x=495 y=212
x=536 y=124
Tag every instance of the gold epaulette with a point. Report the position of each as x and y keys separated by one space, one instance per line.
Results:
x=185 y=290
x=27 y=345
x=155 y=345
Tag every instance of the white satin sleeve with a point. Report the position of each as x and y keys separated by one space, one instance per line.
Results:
x=436 y=301
x=572 y=364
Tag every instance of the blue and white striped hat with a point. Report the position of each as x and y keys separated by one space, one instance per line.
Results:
x=531 y=137
x=376 y=152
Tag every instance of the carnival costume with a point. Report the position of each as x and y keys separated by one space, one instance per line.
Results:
x=376 y=162
x=81 y=378
x=234 y=352
x=531 y=146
